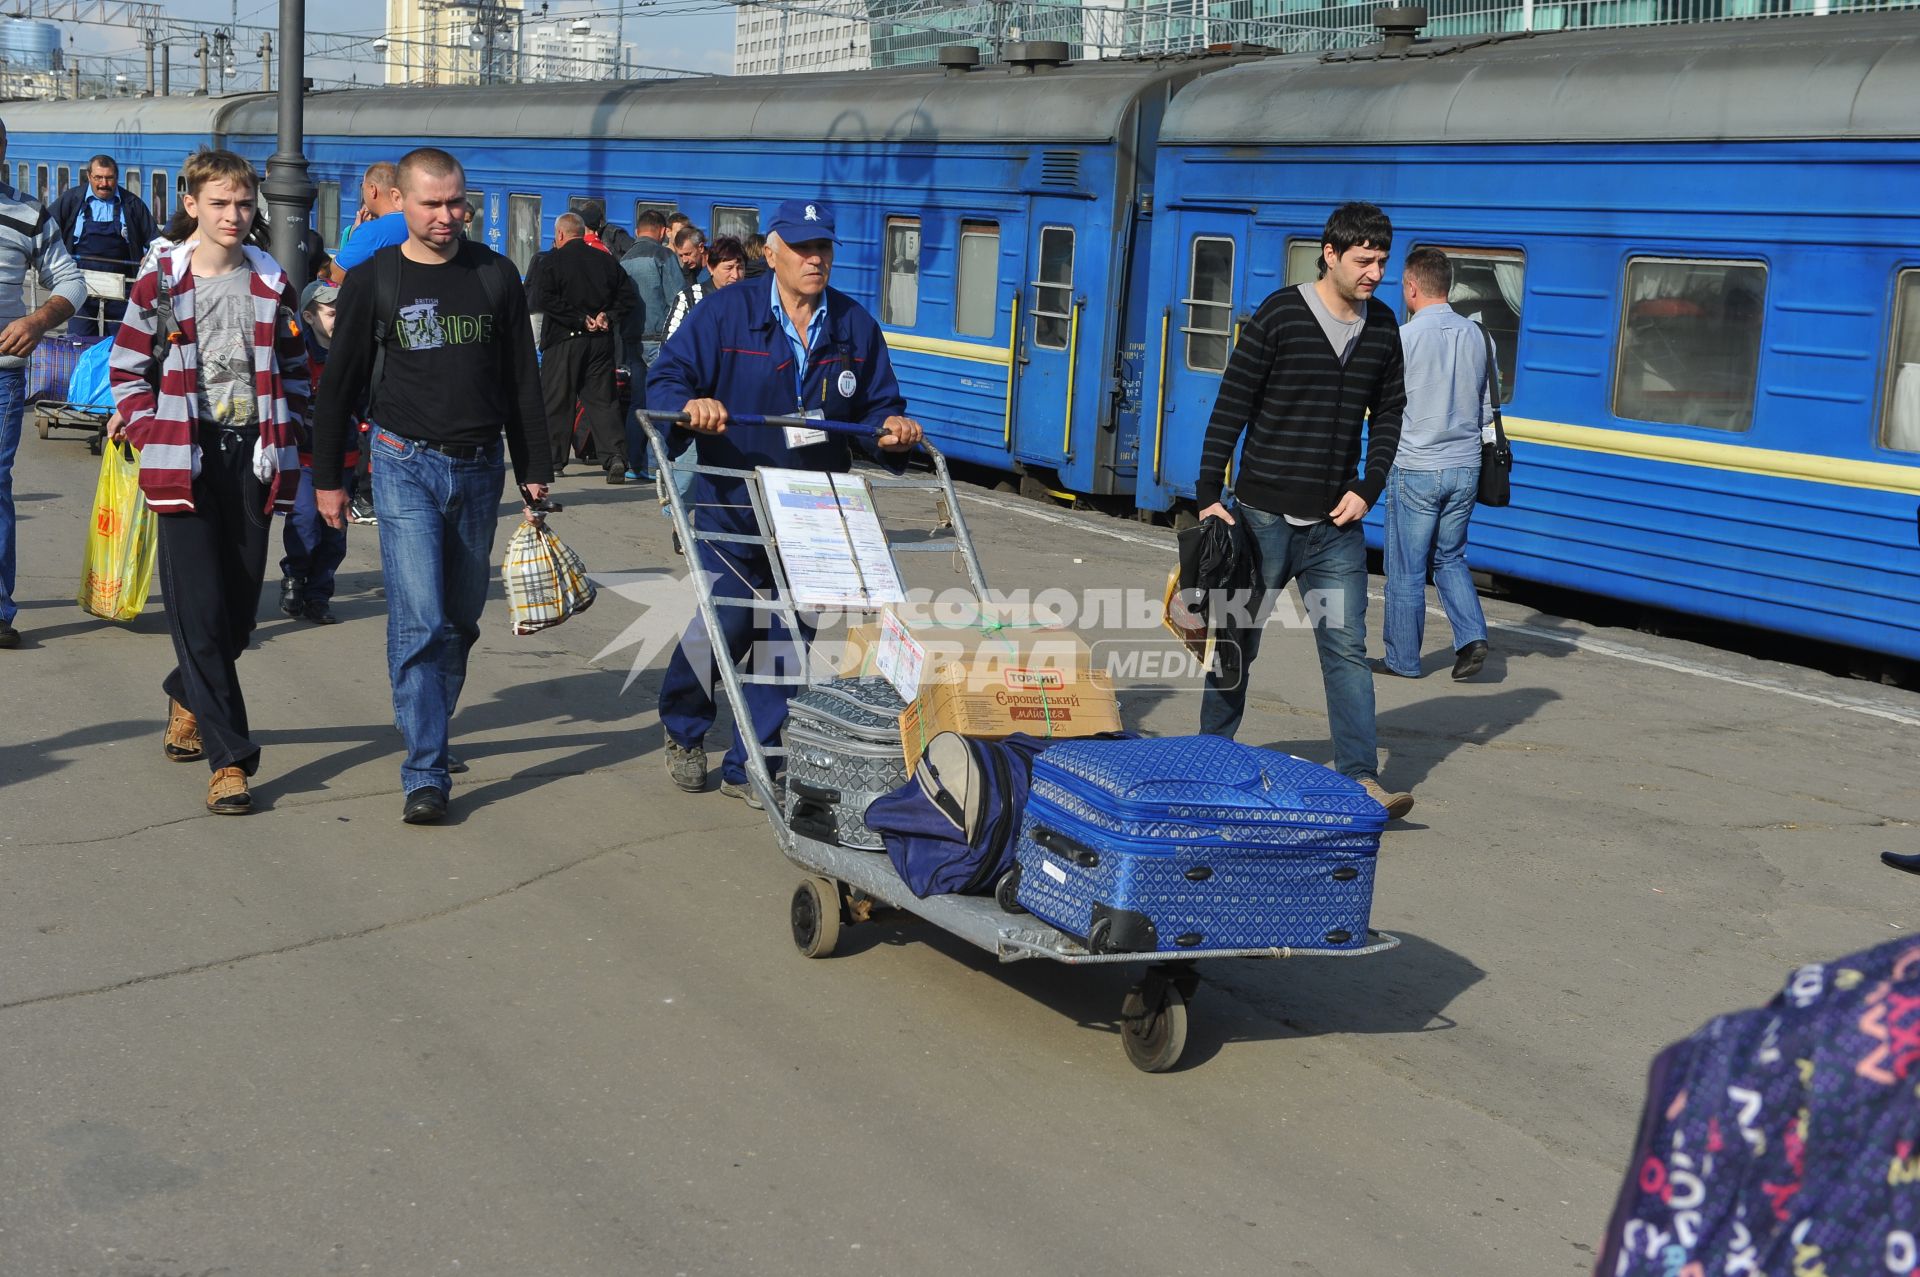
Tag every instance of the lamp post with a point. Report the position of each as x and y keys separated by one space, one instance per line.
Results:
x=289 y=192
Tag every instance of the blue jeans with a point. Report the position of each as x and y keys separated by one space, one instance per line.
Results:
x=1331 y=566
x=437 y=520
x=314 y=551
x=13 y=402
x=1427 y=516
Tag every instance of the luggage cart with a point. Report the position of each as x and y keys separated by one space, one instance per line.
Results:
x=843 y=885
x=49 y=372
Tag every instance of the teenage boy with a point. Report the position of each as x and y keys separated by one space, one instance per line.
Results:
x=1317 y=366
x=212 y=383
x=314 y=551
x=433 y=336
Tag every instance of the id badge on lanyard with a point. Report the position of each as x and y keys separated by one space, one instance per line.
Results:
x=802 y=436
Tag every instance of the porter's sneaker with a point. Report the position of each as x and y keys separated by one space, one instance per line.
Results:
x=687 y=766
x=1397 y=805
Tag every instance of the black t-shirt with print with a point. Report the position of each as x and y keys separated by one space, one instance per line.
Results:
x=456 y=372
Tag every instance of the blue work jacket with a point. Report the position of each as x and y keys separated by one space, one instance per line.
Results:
x=731 y=348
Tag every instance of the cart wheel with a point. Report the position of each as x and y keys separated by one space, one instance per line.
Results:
x=1006 y=891
x=96 y=445
x=1154 y=1036
x=816 y=917
x=42 y=426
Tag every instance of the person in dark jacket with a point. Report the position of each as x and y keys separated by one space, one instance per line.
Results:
x=106 y=228
x=584 y=294
x=784 y=344
x=616 y=240
x=1318 y=363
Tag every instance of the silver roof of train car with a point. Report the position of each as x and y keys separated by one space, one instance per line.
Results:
x=192 y=116
x=1080 y=102
x=1841 y=76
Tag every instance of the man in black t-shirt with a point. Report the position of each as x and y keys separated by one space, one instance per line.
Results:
x=434 y=334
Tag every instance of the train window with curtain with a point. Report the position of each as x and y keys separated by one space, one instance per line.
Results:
x=40 y=182
x=900 y=295
x=477 y=205
x=523 y=230
x=1900 y=415
x=157 y=196
x=65 y=176
x=130 y=178
x=737 y=222
x=1489 y=287
x=977 y=292
x=1689 y=351
x=1053 y=290
x=1303 y=261
x=326 y=209
x=21 y=185
x=1209 y=302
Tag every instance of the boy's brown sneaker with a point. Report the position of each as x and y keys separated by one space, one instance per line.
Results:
x=227 y=793
x=183 y=734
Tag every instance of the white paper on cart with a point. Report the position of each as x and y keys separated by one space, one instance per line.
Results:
x=830 y=539
x=899 y=657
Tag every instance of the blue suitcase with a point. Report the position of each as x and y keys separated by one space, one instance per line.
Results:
x=1197 y=842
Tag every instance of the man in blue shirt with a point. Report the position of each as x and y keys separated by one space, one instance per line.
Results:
x=106 y=228
x=782 y=345
x=380 y=224
x=1436 y=473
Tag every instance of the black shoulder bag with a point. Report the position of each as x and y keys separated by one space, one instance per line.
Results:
x=1496 y=458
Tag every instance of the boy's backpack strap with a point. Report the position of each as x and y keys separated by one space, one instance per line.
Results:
x=164 y=327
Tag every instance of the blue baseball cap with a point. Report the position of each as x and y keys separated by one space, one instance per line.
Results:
x=797 y=221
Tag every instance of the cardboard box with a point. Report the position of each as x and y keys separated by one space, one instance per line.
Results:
x=1035 y=703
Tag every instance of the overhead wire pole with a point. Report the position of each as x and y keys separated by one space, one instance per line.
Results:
x=288 y=190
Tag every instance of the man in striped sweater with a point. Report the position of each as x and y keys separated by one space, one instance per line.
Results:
x=1316 y=368
x=28 y=239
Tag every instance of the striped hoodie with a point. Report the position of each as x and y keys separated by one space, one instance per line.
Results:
x=165 y=427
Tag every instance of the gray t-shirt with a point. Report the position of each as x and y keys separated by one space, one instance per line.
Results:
x=1341 y=333
x=223 y=323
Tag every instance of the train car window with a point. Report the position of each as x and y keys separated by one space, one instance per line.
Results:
x=1900 y=415
x=40 y=181
x=1209 y=303
x=1690 y=342
x=666 y=208
x=157 y=200
x=900 y=299
x=130 y=178
x=326 y=209
x=1303 y=260
x=21 y=186
x=976 y=294
x=577 y=202
x=477 y=205
x=65 y=176
x=737 y=222
x=523 y=229
x=1053 y=290
x=1489 y=287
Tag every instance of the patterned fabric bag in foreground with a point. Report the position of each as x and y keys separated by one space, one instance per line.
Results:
x=546 y=582
x=1785 y=1139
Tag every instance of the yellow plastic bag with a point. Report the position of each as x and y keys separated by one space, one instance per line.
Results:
x=122 y=540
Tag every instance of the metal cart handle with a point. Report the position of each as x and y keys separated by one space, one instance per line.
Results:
x=778 y=423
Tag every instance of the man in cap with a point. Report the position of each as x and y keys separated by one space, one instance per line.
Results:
x=784 y=344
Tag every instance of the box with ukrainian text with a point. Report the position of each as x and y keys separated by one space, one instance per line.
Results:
x=989 y=673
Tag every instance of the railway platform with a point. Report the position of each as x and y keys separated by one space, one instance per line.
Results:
x=567 y=1033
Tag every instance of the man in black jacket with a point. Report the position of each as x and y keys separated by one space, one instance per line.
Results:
x=583 y=293
x=1316 y=364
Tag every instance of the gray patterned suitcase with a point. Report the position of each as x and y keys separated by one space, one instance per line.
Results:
x=843 y=751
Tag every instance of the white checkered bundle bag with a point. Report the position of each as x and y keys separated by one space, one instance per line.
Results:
x=546 y=582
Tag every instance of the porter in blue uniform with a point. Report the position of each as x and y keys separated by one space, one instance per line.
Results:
x=783 y=344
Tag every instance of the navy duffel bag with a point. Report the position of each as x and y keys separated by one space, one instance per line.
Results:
x=954 y=826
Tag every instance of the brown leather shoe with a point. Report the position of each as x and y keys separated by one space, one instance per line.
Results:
x=183 y=734
x=227 y=793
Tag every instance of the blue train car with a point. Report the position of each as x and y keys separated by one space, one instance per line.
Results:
x=987 y=215
x=1698 y=249
x=49 y=143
